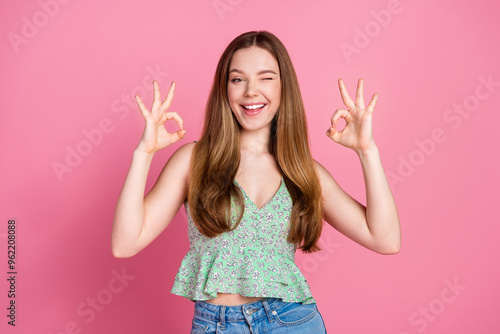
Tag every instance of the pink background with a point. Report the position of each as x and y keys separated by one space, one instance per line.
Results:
x=67 y=66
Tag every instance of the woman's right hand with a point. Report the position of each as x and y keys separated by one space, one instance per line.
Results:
x=155 y=136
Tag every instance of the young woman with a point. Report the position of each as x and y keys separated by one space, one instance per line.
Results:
x=253 y=193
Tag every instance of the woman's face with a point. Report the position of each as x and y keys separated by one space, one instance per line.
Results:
x=254 y=87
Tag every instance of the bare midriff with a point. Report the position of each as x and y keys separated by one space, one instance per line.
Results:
x=231 y=299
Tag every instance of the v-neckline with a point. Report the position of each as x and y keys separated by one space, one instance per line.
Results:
x=268 y=202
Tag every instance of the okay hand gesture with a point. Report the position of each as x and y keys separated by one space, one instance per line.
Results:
x=357 y=133
x=155 y=136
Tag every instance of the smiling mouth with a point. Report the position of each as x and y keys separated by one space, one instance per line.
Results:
x=254 y=106
x=253 y=109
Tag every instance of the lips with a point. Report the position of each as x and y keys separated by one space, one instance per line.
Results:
x=253 y=108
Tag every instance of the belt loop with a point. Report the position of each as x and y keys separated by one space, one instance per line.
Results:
x=268 y=309
x=222 y=316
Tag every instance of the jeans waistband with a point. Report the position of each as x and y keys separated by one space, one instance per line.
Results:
x=248 y=312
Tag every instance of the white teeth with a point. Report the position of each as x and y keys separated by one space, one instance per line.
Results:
x=255 y=106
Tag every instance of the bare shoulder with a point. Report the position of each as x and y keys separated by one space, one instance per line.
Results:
x=184 y=152
x=180 y=162
x=173 y=181
x=329 y=186
x=323 y=174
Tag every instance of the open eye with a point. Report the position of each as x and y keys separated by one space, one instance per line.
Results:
x=236 y=80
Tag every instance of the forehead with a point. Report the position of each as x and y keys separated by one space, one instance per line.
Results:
x=253 y=59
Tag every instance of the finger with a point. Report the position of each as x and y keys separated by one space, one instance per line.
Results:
x=176 y=136
x=180 y=134
x=170 y=96
x=359 y=94
x=334 y=134
x=345 y=96
x=142 y=107
x=176 y=117
x=339 y=113
x=371 y=105
x=156 y=96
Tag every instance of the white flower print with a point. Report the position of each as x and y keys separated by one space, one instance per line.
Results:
x=254 y=259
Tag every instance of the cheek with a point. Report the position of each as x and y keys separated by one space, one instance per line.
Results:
x=232 y=95
x=277 y=93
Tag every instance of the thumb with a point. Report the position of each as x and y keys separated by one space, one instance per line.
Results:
x=179 y=134
x=333 y=134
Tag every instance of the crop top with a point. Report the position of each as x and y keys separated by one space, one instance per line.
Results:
x=254 y=260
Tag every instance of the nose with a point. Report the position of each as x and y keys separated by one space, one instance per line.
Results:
x=252 y=89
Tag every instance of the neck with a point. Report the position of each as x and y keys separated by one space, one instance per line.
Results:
x=255 y=141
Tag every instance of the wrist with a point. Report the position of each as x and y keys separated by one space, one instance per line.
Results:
x=140 y=153
x=368 y=151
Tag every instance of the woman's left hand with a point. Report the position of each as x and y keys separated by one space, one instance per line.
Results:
x=357 y=133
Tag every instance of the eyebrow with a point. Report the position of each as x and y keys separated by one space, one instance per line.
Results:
x=261 y=72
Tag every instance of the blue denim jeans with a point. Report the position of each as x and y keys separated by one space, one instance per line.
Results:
x=267 y=315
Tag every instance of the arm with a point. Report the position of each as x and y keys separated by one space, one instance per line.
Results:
x=138 y=220
x=375 y=226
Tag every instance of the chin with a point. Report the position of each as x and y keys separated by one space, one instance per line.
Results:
x=255 y=127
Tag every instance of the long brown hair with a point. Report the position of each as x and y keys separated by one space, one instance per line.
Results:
x=216 y=156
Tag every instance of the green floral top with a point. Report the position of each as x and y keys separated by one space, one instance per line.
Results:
x=254 y=260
